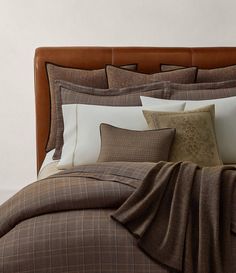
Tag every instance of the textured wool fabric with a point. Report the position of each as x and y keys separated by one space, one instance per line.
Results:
x=62 y=224
x=119 y=144
x=195 y=138
x=208 y=75
x=68 y=93
x=181 y=216
x=204 y=85
x=118 y=77
x=92 y=78
x=202 y=91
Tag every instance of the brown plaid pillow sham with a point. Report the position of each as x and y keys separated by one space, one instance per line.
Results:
x=119 y=78
x=92 y=78
x=201 y=91
x=119 y=144
x=208 y=75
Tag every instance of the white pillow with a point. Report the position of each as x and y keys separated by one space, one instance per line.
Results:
x=152 y=102
x=81 y=128
x=225 y=121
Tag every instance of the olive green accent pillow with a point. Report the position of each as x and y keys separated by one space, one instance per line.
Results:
x=119 y=144
x=195 y=138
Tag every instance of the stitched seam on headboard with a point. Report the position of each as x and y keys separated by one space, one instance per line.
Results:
x=112 y=55
x=191 y=57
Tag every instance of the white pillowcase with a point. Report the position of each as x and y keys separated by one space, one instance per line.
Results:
x=153 y=102
x=225 y=121
x=81 y=128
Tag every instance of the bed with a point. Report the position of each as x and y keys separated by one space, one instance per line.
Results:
x=92 y=217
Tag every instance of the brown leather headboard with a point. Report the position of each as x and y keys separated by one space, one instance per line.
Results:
x=147 y=58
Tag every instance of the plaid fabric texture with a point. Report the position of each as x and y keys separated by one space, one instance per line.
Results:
x=62 y=224
x=93 y=78
x=85 y=241
x=119 y=78
x=207 y=75
x=202 y=91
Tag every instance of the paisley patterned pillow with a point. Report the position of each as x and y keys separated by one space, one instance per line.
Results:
x=195 y=138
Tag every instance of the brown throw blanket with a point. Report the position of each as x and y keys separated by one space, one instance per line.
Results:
x=182 y=216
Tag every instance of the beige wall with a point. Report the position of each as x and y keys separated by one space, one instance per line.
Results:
x=27 y=24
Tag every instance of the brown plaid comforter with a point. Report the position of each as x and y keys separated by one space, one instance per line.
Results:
x=63 y=224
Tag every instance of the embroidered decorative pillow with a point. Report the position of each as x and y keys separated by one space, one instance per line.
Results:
x=195 y=138
x=225 y=125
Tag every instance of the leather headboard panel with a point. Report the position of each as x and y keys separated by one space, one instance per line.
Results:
x=147 y=58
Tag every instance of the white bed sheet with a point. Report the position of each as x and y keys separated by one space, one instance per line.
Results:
x=49 y=166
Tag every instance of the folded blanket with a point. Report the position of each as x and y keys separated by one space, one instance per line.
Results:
x=181 y=216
